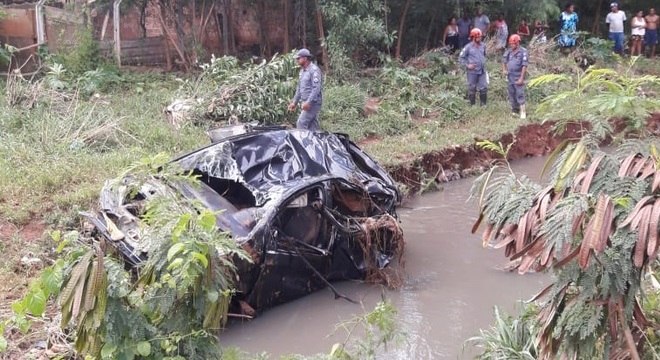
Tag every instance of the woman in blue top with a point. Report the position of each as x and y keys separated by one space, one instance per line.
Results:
x=568 y=21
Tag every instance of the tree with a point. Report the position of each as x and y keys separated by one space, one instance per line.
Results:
x=355 y=33
x=402 y=23
x=594 y=224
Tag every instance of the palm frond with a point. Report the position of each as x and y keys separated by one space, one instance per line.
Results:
x=548 y=79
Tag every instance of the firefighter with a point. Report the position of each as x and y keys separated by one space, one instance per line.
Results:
x=473 y=57
x=514 y=66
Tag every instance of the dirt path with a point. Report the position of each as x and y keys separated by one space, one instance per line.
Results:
x=29 y=232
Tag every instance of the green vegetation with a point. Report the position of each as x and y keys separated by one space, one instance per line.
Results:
x=57 y=147
x=82 y=121
x=247 y=92
x=509 y=338
x=593 y=224
x=172 y=307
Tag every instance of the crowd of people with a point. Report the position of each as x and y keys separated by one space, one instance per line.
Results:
x=643 y=30
x=515 y=59
x=466 y=34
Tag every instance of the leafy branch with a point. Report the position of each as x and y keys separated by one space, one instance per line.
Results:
x=594 y=224
x=597 y=95
x=170 y=307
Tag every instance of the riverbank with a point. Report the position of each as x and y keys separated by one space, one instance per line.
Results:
x=463 y=160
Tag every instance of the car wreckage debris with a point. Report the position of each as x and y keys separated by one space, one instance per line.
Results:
x=308 y=208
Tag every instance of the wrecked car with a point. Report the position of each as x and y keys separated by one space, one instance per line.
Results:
x=310 y=208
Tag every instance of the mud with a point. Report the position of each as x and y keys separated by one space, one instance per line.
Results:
x=465 y=160
x=32 y=231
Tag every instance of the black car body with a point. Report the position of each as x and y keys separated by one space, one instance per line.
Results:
x=310 y=208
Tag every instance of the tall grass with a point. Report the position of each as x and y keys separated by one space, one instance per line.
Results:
x=57 y=152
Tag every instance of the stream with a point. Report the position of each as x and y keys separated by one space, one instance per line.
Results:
x=452 y=285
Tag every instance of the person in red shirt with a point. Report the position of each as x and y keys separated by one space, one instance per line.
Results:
x=523 y=30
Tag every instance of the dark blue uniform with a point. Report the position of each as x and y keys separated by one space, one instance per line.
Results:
x=477 y=78
x=515 y=61
x=309 y=90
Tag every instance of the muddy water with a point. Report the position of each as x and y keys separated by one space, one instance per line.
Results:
x=451 y=288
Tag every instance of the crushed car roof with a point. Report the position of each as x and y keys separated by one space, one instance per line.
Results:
x=269 y=162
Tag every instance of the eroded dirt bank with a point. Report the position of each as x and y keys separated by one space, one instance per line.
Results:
x=459 y=161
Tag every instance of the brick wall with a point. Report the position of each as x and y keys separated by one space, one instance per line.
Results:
x=18 y=29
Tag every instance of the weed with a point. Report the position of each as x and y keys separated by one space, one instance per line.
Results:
x=227 y=93
x=63 y=148
x=509 y=338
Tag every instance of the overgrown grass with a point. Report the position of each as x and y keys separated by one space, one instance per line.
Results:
x=55 y=156
x=437 y=133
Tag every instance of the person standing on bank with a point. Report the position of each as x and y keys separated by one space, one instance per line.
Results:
x=309 y=91
x=568 y=28
x=451 y=36
x=473 y=57
x=501 y=31
x=514 y=65
x=637 y=33
x=651 y=35
x=615 y=19
x=464 y=26
x=523 y=30
x=481 y=21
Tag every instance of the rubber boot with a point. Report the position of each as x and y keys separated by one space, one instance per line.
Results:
x=483 y=98
x=523 y=114
x=473 y=98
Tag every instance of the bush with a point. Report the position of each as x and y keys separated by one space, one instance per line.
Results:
x=83 y=56
x=387 y=122
x=343 y=109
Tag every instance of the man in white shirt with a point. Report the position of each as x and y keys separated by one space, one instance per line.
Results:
x=615 y=19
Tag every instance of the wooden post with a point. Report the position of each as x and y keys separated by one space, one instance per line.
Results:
x=116 y=23
x=168 y=57
x=225 y=28
x=205 y=23
x=193 y=28
x=229 y=19
x=304 y=22
x=170 y=37
x=40 y=22
x=105 y=24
